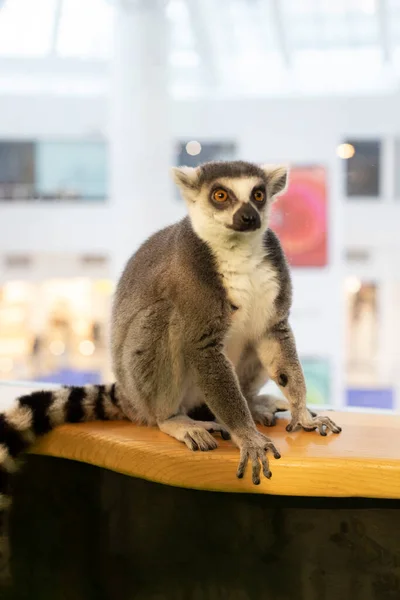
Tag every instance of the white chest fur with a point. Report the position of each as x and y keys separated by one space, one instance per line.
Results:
x=252 y=286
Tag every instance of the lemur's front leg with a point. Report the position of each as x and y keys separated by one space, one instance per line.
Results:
x=277 y=352
x=220 y=387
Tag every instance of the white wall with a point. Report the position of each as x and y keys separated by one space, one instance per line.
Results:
x=294 y=129
x=290 y=130
x=298 y=129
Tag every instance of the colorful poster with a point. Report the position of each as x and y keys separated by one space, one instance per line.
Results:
x=17 y=170
x=299 y=217
x=72 y=170
x=381 y=398
x=317 y=375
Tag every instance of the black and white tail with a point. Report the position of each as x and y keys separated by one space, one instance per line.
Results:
x=34 y=415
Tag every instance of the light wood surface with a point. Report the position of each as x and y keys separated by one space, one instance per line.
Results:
x=363 y=461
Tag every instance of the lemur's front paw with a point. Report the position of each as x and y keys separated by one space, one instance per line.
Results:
x=254 y=447
x=311 y=421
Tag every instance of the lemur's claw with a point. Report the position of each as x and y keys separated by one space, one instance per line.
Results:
x=312 y=422
x=255 y=449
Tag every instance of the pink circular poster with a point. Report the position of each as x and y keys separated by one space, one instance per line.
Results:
x=299 y=217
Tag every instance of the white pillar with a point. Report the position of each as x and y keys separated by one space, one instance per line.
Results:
x=140 y=142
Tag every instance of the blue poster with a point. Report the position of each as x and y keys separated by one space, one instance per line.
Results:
x=71 y=170
x=382 y=398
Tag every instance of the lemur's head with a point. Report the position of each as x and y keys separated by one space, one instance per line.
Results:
x=230 y=198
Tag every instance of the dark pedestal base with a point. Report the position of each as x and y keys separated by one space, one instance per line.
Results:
x=82 y=533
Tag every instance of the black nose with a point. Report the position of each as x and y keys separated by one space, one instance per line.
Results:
x=248 y=219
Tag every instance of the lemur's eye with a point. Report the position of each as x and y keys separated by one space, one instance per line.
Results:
x=259 y=196
x=220 y=195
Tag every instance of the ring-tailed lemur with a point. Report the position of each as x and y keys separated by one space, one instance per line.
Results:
x=200 y=316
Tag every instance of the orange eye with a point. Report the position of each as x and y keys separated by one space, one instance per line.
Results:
x=220 y=195
x=259 y=196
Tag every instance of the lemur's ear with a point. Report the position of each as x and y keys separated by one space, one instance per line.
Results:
x=185 y=177
x=277 y=179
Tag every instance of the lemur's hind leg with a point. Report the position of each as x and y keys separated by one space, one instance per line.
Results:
x=252 y=377
x=195 y=434
x=264 y=408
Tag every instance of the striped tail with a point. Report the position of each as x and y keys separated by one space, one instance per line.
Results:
x=36 y=414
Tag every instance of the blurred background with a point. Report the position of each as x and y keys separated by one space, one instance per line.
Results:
x=98 y=98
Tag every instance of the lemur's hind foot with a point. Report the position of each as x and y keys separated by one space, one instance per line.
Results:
x=195 y=434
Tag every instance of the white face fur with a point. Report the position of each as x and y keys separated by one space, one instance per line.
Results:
x=234 y=205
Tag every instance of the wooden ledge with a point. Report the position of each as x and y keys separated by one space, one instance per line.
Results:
x=363 y=461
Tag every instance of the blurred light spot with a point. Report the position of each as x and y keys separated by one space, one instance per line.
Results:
x=345 y=151
x=104 y=286
x=353 y=285
x=14 y=315
x=86 y=348
x=193 y=148
x=15 y=291
x=57 y=348
x=6 y=364
x=81 y=327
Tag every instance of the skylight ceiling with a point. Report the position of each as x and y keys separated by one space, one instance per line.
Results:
x=250 y=47
x=26 y=28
